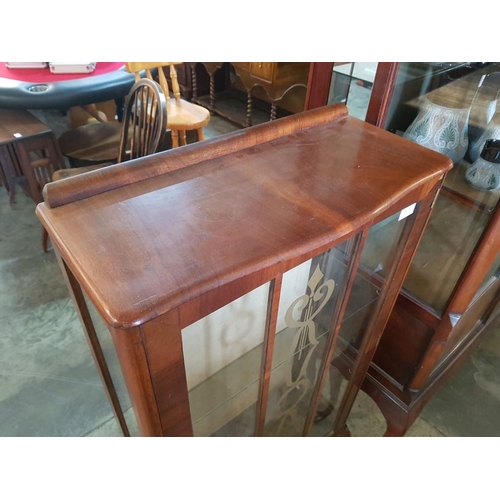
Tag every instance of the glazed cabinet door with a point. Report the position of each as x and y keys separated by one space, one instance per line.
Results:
x=266 y=363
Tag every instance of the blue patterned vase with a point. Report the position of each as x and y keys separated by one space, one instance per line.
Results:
x=441 y=129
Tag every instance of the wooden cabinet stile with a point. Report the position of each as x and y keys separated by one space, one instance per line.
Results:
x=267 y=354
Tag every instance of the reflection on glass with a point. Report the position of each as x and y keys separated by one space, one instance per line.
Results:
x=223 y=355
x=443 y=253
x=378 y=253
x=351 y=84
x=116 y=373
x=380 y=244
x=416 y=79
x=309 y=295
x=493 y=273
x=451 y=108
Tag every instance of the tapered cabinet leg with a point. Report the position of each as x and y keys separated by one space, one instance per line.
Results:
x=162 y=338
x=132 y=355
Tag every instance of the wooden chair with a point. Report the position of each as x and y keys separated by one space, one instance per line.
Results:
x=182 y=115
x=142 y=130
x=9 y=171
x=39 y=157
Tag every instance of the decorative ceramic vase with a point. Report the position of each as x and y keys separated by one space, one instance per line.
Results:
x=484 y=173
x=442 y=129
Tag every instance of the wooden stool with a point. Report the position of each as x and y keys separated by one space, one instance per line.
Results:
x=182 y=115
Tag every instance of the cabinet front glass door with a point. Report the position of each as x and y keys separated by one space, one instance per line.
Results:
x=265 y=364
x=225 y=353
x=222 y=356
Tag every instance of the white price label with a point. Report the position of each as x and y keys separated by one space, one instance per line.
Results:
x=407 y=211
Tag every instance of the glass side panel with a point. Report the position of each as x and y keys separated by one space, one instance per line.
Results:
x=379 y=251
x=223 y=356
x=451 y=108
x=493 y=273
x=310 y=293
x=379 y=246
x=443 y=253
x=351 y=84
x=111 y=427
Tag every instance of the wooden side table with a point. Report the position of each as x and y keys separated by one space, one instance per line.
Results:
x=226 y=269
x=273 y=81
x=15 y=127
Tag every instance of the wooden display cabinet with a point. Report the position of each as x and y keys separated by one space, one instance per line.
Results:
x=225 y=270
x=452 y=292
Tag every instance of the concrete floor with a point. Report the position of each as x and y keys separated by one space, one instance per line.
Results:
x=50 y=387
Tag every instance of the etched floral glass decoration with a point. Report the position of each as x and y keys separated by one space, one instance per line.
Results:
x=306 y=317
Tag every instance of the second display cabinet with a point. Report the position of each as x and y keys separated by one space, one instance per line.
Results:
x=451 y=294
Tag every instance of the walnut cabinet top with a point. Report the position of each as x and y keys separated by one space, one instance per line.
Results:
x=148 y=235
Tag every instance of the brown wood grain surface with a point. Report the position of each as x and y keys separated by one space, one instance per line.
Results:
x=147 y=247
x=106 y=179
x=18 y=121
x=163 y=343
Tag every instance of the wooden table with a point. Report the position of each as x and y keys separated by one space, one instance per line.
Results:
x=225 y=269
x=14 y=126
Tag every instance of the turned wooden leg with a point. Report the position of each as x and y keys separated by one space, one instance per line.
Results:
x=182 y=138
x=212 y=93
x=194 y=83
x=201 y=137
x=273 y=111
x=175 y=139
x=249 y=110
